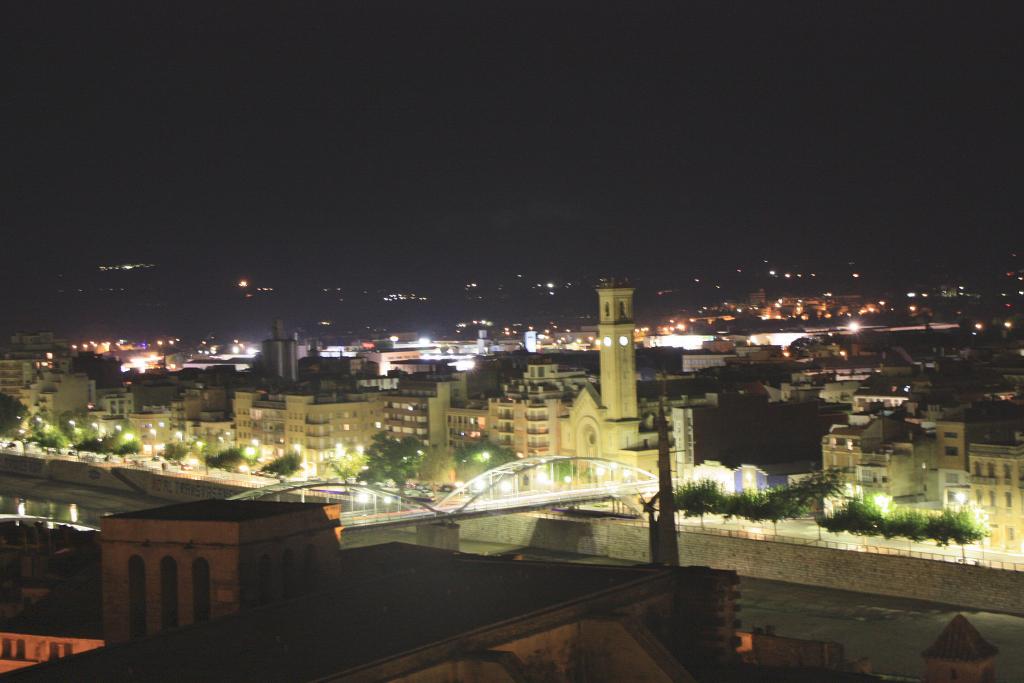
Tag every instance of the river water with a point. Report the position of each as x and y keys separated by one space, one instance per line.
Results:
x=64 y=502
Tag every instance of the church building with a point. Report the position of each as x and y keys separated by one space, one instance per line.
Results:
x=606 y=422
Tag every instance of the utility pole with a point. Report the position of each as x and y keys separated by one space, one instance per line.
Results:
x=667 y=549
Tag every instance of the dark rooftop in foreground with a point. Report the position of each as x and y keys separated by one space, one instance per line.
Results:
x=393 y=598
x=219 y=511
x=960 y=641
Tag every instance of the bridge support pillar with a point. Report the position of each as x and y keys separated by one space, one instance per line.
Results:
x=443 y=535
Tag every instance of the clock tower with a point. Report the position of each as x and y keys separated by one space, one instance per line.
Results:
x=618 y=360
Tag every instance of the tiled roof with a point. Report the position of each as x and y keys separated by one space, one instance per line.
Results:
x=960 y=641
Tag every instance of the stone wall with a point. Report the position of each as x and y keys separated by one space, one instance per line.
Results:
x=123 y=479
x=945 y=582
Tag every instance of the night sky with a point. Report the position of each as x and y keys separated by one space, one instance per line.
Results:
x=420 y=145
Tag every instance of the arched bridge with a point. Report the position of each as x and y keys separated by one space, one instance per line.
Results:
x=517 y=486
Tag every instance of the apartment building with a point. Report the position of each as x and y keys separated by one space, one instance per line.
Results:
x=420 y=406
x=317 y=427
x=526 y=418
x=883 y=456
x=982 y=422
x=997 y=486
x=55 y=392
x=468 y=424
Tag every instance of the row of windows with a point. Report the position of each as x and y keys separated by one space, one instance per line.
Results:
x=989 y=470
x=289 y=580
x=137 y=607
x=15 y=649
x=1007 y=499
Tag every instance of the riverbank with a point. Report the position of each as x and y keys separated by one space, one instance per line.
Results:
x=127 y=479
x=65 y=502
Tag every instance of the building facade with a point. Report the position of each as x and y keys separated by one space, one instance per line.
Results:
x=997 y=484
x=318 y=428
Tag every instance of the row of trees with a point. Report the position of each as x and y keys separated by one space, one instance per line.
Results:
x=385 y=459
x=854 y=515
x=705 y=497
x=401 y=460
x=868 y=518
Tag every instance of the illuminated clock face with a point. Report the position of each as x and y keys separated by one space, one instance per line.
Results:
x=623 y=340
x=607 y=341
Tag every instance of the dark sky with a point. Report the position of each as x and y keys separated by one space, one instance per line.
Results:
x=420 y=144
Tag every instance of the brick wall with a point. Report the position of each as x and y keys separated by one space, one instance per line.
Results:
x=946 y=582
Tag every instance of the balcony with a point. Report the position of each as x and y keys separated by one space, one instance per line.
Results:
x=978 y=479
x=405 y=423
x=537 y=430
x=318 y=430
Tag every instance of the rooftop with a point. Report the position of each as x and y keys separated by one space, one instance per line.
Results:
x=218 y=511
x=961 y=642
x=395 y=598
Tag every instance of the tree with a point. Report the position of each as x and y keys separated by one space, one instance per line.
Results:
x=812 y=490
x=437 y=465
x=956 y=526
x=227 y=459
x=127 y=447
x=476 y=458
x=285 y=466
x=905 y=523
x=46 y=435
x=855 y=516
x=175 y=451
x=394 y=459
x=11 y=413
x=865 y=518
x=757 y=506
x=699 y=498
x=346 y=465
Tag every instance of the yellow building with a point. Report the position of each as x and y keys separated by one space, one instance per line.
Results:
x=527 y=418
x=467 y=425
x=607 y=423
x=997 y=481
x=318 y=428
x=152 y=428
x=56 y=392
x=419 y=407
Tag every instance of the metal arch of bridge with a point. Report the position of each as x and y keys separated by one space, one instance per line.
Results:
x=360 y=494
x=524 y=483
x=608 y=478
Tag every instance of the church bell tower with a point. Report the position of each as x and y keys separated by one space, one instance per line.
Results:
x=618 y=360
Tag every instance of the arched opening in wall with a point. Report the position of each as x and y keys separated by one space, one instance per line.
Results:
x=289 y=587
x=168 y=593
x=200 y=590
x=587 y=442
x=309 y=567
x=264 y=576
x=136 y=597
